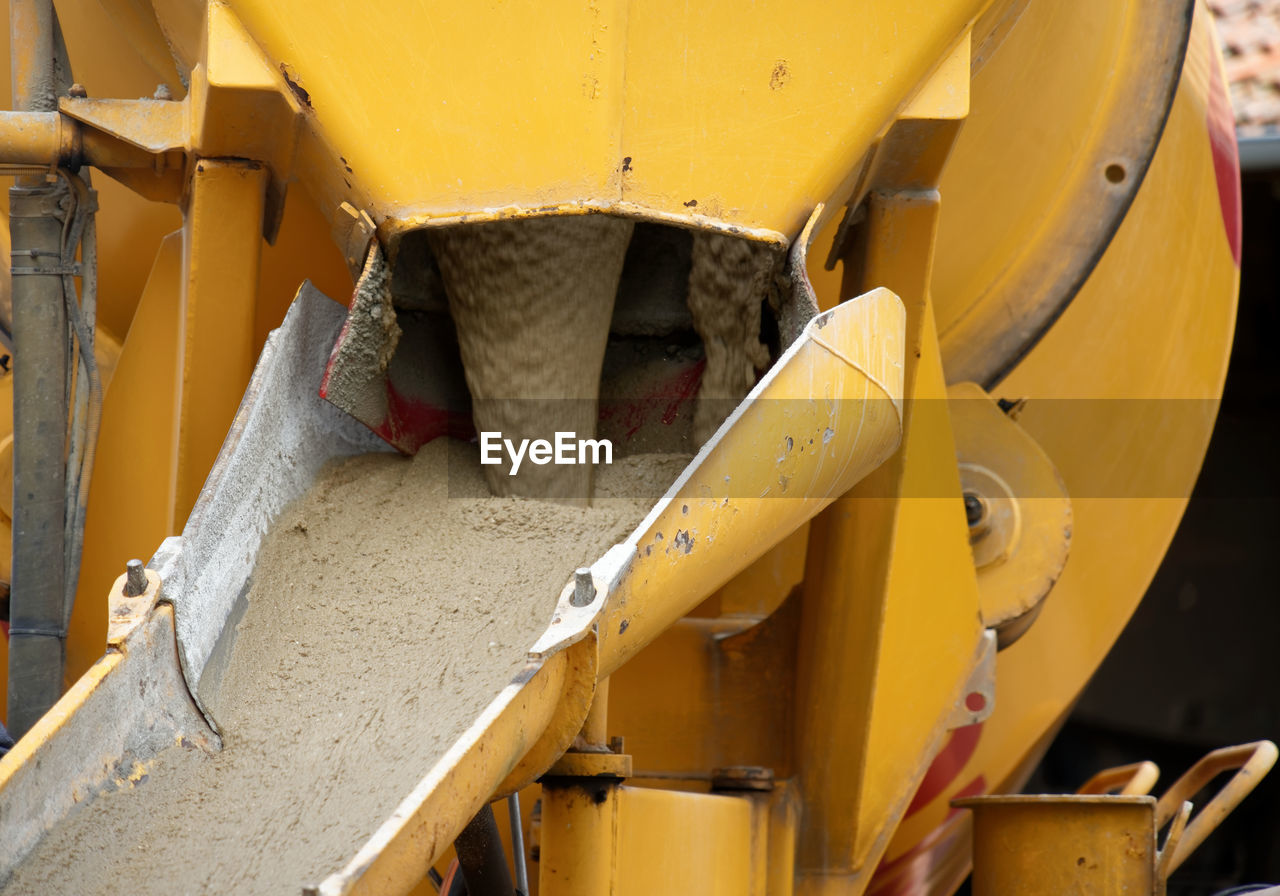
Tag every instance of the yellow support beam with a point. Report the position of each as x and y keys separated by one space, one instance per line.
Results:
x=222 y=250
x=598 y=837
x=890 y=622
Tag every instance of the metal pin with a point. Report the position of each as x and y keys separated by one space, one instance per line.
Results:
x=584 y=589
x=517 y=844
x=975 y=509
x=135 y=578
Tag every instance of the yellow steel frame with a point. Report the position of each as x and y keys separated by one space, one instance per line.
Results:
x=611 y=67
x=1122 y=398
x=144 y=304
x=842 y=660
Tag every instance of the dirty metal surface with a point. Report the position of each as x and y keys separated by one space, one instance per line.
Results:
x=283 y=433
x=126 y=709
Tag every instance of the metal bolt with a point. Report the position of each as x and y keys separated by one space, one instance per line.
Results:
x=77 y=91
x=135 y=579
x=975 y=509
x=162 y=92
x=584 y=589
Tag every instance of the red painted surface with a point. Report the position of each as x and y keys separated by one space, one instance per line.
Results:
x=946 y=766
x=664 y=401
x=1226 y=157
x=910 y=873
x=945 y=848
x=333 y=355
x=411 y=422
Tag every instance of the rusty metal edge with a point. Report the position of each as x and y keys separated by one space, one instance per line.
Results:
x=991 y=353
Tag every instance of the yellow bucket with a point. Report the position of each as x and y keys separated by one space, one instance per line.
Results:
x=1099 y=844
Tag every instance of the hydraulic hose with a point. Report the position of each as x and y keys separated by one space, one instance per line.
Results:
x=87 y=392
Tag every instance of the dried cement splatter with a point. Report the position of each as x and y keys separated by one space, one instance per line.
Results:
x=532 y=299
x=356 y=380
x=729 y=278
x=385 y=613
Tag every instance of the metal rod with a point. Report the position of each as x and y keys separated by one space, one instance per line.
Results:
x=87 y=395
x=38 y=63
x=481 y=858
x=595 y=728
x=37 y=634
x=32 y=25
x=39 y=606
x=517 y=844
x=30 y=138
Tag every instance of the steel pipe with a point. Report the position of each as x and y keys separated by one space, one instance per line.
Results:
x=35 y=40
x=32 y=138
x=481 y=858
x=37 y=633
x=55 y=140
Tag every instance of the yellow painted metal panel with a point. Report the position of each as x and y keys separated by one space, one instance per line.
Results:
x=599 y=837
x=1027 y=109
x=448 y=108
x=758 y=113
x=824 y=416
x=762 y=587
x=682 y=842
x=710 y=693
x=745 y=116
x=134 y=465
x=303 y=249
x=1122 y=395
x=891 y=603
x=579 y=837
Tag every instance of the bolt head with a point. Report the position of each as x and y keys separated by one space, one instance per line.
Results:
x=975 y=509
x=77 y=91
x=584 y=587
x=135 y=578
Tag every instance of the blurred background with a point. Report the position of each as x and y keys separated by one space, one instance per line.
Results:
x=1199 y=665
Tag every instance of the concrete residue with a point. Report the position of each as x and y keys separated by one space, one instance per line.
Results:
x=356 y=380
x=729 y=279
x=389 y=606
x=532 y=299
